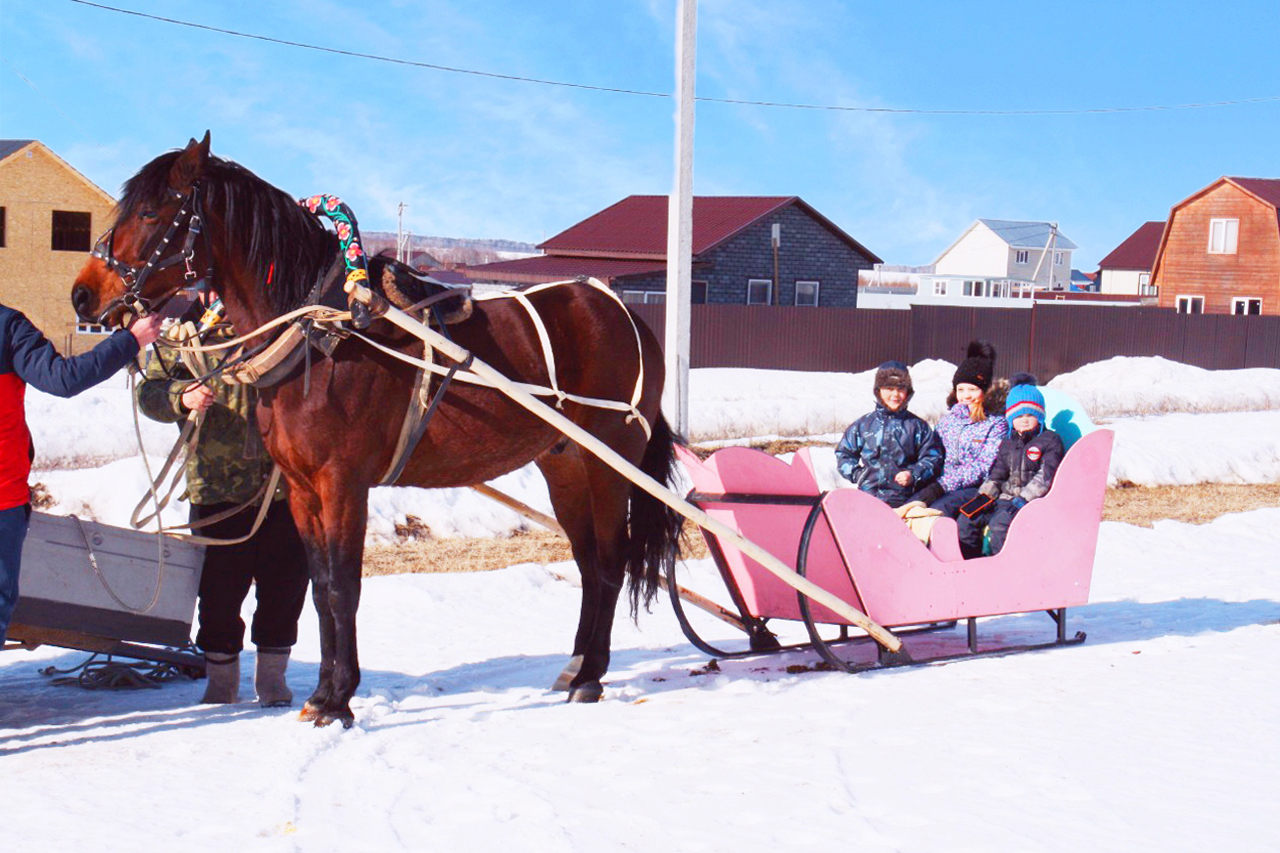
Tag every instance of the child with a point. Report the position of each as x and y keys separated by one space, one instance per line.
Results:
x=889 y=452
x=971 y=431
x=1023 y=470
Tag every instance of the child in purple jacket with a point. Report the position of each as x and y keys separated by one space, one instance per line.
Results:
x=971 y=431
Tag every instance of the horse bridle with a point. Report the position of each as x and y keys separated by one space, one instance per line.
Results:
x=135 y=277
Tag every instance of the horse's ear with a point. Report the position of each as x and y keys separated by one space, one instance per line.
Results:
x=190 y=164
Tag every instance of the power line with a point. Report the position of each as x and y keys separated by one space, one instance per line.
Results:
x=730 y=101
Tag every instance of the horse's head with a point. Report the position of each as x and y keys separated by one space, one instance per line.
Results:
x=154 y=248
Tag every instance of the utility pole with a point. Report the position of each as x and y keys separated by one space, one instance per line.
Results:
x=402 y=248
x=675 y=395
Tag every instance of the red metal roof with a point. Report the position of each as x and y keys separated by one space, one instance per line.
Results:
x=557 y=268
x=1138 y=251
x=1267 y=189
x=636 y=227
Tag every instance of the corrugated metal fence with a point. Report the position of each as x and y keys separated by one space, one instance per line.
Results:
x=1046 y=339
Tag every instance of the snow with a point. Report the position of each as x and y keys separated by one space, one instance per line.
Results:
x=1155 y=734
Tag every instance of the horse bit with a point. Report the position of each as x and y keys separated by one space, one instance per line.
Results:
x=135 y=277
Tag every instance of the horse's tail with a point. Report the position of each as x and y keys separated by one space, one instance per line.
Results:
x=653 y=528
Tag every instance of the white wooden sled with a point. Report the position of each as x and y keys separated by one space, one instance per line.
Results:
x=98 y=588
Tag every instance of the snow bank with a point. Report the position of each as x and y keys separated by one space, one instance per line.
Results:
x=1152 y=385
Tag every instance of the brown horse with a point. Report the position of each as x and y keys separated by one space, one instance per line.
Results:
x=334 y=431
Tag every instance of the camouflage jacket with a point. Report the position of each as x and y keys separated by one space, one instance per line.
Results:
x=229 y=463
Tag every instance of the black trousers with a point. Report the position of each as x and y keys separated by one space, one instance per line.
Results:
x=274 y=559
x=997 y=519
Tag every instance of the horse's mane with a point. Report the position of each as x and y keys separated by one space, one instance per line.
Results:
x=278 y=237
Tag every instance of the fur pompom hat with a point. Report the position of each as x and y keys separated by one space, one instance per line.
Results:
x=978 y=366
x=893 y=374
x=1024 y=399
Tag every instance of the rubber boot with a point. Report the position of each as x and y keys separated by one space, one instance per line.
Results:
x=223 y=673
x=268 y=679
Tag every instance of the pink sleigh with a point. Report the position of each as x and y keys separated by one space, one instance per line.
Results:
x=856 y=547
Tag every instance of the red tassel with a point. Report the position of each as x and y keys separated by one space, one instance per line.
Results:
x=271 y=272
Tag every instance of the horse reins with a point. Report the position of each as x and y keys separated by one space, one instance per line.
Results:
x=135 y=277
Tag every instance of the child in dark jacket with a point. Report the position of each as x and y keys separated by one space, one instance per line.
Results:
x=1023 y=469
x=889 y=452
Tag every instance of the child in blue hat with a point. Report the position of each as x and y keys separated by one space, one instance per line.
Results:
x=1023 y=470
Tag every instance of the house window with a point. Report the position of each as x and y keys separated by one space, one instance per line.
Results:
x=70 y=231
x=698 y=295
x=807 y=293
x=1145 y=287
x=975 y=288
x=1020 y=257
x=91 y=329
x=644 y=297
x=1190 y=304
x=1 y=227
x=939 y=288
x=1057 y=259
x=1246 y=305
x=1222 y=236
x=759 y=291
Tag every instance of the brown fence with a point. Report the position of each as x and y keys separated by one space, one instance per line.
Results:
x=1047 y=339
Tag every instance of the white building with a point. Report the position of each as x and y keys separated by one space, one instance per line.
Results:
x=1006 y=257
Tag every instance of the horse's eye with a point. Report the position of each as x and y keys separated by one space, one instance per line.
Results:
x=148 y=216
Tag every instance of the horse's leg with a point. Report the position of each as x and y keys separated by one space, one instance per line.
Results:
x=305 y=506
x=592 y=507
x=343 y=515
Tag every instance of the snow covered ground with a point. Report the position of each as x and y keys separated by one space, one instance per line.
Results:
x=1156 y=734
x=1175 y=425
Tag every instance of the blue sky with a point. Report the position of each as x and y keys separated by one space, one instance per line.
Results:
x=480 y=157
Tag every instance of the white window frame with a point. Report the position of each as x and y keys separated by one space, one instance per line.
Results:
x=644 y=297
x=1021 y=257
x=940 y=288
x=817 y=286
x=1237 y=301
x=92 y=329
x=1145 y=287
x=1057 y=258
x=1224 y=235
x=1184 y=303
x=768 y=283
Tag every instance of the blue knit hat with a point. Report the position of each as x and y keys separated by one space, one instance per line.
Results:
x=1024 y=399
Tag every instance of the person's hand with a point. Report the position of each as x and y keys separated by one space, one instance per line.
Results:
x=197 y=398
x=145 y=330
x=903 y=478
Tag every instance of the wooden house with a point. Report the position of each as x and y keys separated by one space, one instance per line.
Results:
x=1003 y=256
x=50 y=214
x=1220 y=253
x=1127 y=268
x=747 y=250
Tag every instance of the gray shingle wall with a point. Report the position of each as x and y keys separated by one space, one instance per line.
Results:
x=808 y=252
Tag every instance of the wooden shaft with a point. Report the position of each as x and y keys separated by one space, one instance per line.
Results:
x=699 y=601
x=615 y=461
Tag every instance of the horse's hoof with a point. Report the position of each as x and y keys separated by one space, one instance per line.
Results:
x=568 y=674
x=323 y=720
x=309 y=713
x=590 y=691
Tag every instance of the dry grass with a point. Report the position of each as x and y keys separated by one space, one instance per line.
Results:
x=1131 y=505
x=1194 y=504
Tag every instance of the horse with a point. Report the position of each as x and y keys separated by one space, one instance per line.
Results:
x=332 y=426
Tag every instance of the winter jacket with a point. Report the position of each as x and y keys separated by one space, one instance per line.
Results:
x=1024 y=467
x=229 y=463
x=882 y=443
x=27 y=357
x=970 y=447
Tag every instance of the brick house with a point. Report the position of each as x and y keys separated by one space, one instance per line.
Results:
x=734 y=258
x=1220 y=253
x=1127 y=269
x=50 y=215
